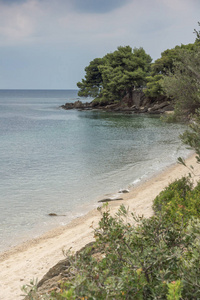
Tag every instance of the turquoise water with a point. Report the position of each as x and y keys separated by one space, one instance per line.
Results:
x=60 y=161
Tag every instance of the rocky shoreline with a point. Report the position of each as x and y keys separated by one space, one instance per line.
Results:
x=138 y=103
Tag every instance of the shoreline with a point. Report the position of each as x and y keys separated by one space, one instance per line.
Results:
x=111 y=191
x=34 y=258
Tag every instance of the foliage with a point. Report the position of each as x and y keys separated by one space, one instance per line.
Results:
x=124 y=70
x=91 y=85
x=154 y=87
x=197 y=34
x=175 y=289
x=138 y=258
x=191 y=136
x=163 y=66
x=30 y=290
x=182 y=83
x=116 y=74
x=150 y=259
x=178 y=202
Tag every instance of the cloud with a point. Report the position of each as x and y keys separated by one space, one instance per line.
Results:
x=8 y=2
x=81 y=6
x=89 y=20
x=58 y=20
x=18 y=22
x=99 y=6
x=65 y=35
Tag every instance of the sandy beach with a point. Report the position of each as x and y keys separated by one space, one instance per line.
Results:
x=34 y=258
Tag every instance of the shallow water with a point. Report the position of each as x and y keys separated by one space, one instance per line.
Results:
x=60 y=161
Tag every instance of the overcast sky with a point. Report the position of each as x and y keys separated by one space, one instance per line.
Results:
x=46 y=44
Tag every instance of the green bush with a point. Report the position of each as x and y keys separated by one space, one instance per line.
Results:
x=143 y=259
x=178 y=202
x=148 y=260
x=100 y=102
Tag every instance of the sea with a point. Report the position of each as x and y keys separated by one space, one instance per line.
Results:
x=63 y=161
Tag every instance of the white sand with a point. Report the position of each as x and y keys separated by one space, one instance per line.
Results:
x=34 y=258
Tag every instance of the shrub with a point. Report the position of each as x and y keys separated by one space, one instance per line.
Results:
x=141 y=259
x=148 y=260
x=178 y=202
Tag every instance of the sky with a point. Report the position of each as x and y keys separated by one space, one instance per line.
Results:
x=46 y=44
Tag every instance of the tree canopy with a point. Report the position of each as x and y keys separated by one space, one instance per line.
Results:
x=120 y=72
x=91 y=85
x=116 y=74
x=165 y=65
x=183 y=82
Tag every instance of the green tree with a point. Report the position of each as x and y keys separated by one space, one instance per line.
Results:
x=124 y=70
x=183 y=84
x=116 y=74
x=92 y=84
x=191 y=137
x=163 y=66
x=197 y=34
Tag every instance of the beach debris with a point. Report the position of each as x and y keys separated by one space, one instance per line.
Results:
x=109 y=199
x=55 y=215
x=124 y=191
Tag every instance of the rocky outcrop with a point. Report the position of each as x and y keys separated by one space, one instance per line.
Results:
x=77 y=105
x=137 y=103
x=59 y=273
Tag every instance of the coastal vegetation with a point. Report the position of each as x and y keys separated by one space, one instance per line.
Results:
x=182 y=84
x=134 y=257
x=155 y=258
x=164 y=66
x=173 y=76
x=139 y=258
x=116 y=74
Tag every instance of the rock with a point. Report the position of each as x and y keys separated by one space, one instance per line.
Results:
x=124 y=191
x=68 y=106
x=155 y=112
x=109 y=199
x=112 y=106
x=55 y=215
x=143 y=109
x=158 y=106
x=137 y=102
x=77 y=105
x=56 y=274
x=168 y=108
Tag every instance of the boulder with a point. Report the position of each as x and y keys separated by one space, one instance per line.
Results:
x=158 y=106
x=109 y=199
x=78 y=104
x=123 y=191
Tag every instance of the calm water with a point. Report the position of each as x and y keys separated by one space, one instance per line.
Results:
x=60 y=161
